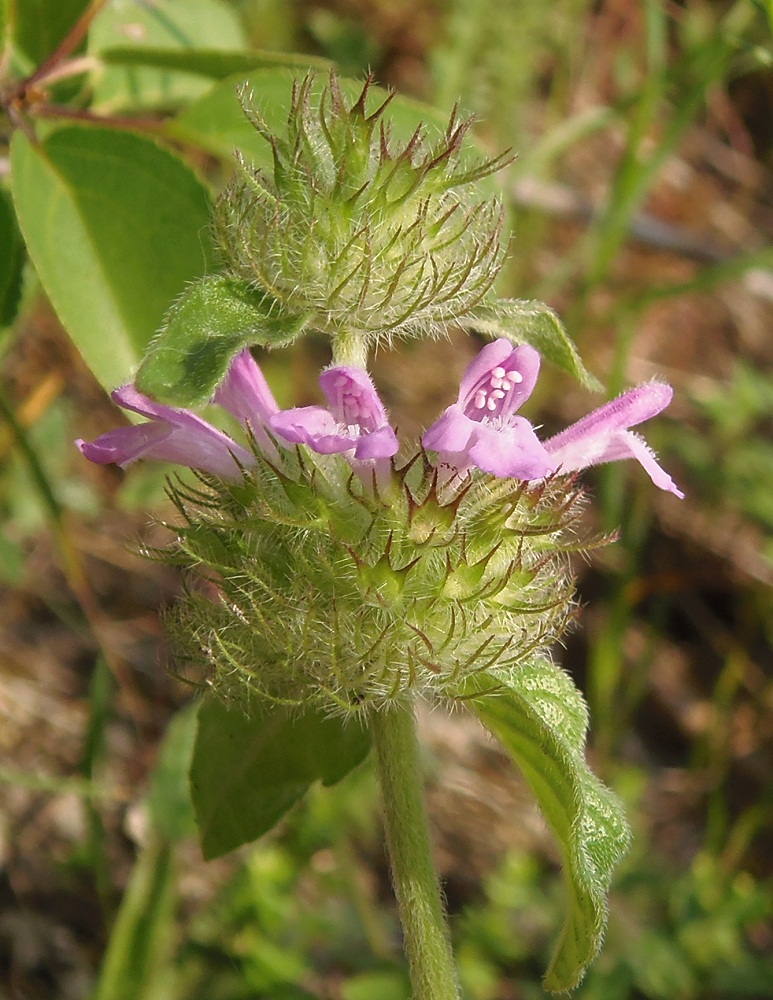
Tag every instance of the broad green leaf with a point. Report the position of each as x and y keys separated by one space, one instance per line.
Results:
x=540 y=718
x=216 y=64
x=248 y=771
x=525 y=321
x=164 y=25
x=11 y=261
x=204 y=329
x=116 y=227
x=40 y=25
x=169 y=796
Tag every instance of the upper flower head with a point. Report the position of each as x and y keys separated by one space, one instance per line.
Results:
x=170 y=435
x=355 y=419
x=481 y=428
x=354 y=229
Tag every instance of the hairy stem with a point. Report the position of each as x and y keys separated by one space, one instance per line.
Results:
x=425 y=932
x=350 y=348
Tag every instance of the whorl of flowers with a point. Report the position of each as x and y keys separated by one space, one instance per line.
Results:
x=353 y=231
x=349 y=577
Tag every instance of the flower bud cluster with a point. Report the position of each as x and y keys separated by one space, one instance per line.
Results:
x=355 y=233
x=337 y=590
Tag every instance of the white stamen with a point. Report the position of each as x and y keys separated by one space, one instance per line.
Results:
x=496 y=383
x=507 y=385
x=498 y=394
x=515 y=377
x=491 y=404
x=498 y=372
x=480 y=400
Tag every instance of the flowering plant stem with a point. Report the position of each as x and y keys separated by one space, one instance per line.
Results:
x=425 y=931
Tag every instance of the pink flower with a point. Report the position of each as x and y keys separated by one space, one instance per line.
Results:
x=245 y=393
x=482 y=428
x=354 y=420
x=179 y=436
x=604 y=435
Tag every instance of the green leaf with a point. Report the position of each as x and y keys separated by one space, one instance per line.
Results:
x=169 y=796
x=137 y=961
x=115 y=227
x=216 y=64
x=248 y=771
x=203 y=330
x=11 y=261
x=540 y=718
x=525 y=321
x=40 y=25
x=162 y=25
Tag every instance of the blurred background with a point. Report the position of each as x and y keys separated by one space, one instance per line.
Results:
x=641 y=203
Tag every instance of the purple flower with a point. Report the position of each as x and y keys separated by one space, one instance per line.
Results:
x=171 y=435
x=245 y=393
x=481 y=428
x=355 y=419
x=604 y=435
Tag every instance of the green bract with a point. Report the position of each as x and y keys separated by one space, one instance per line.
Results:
x=361 y=232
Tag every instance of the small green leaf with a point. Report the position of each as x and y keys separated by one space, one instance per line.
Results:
x=539 y=716
x=11 y=261
x=166 y=25
x=525 y=321
x=204 y=329
x=216 y=64
x=115 y=227
x=248 y=771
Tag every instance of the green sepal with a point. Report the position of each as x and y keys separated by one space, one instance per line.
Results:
x=211 y=322
x=540 y=718
x=249 y=769
x=527 y=321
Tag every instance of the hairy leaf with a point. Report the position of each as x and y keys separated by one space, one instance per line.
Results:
x=115 y=227
x=526 y=321
x=540 y=718
x=248 y=771
x=204 y=329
